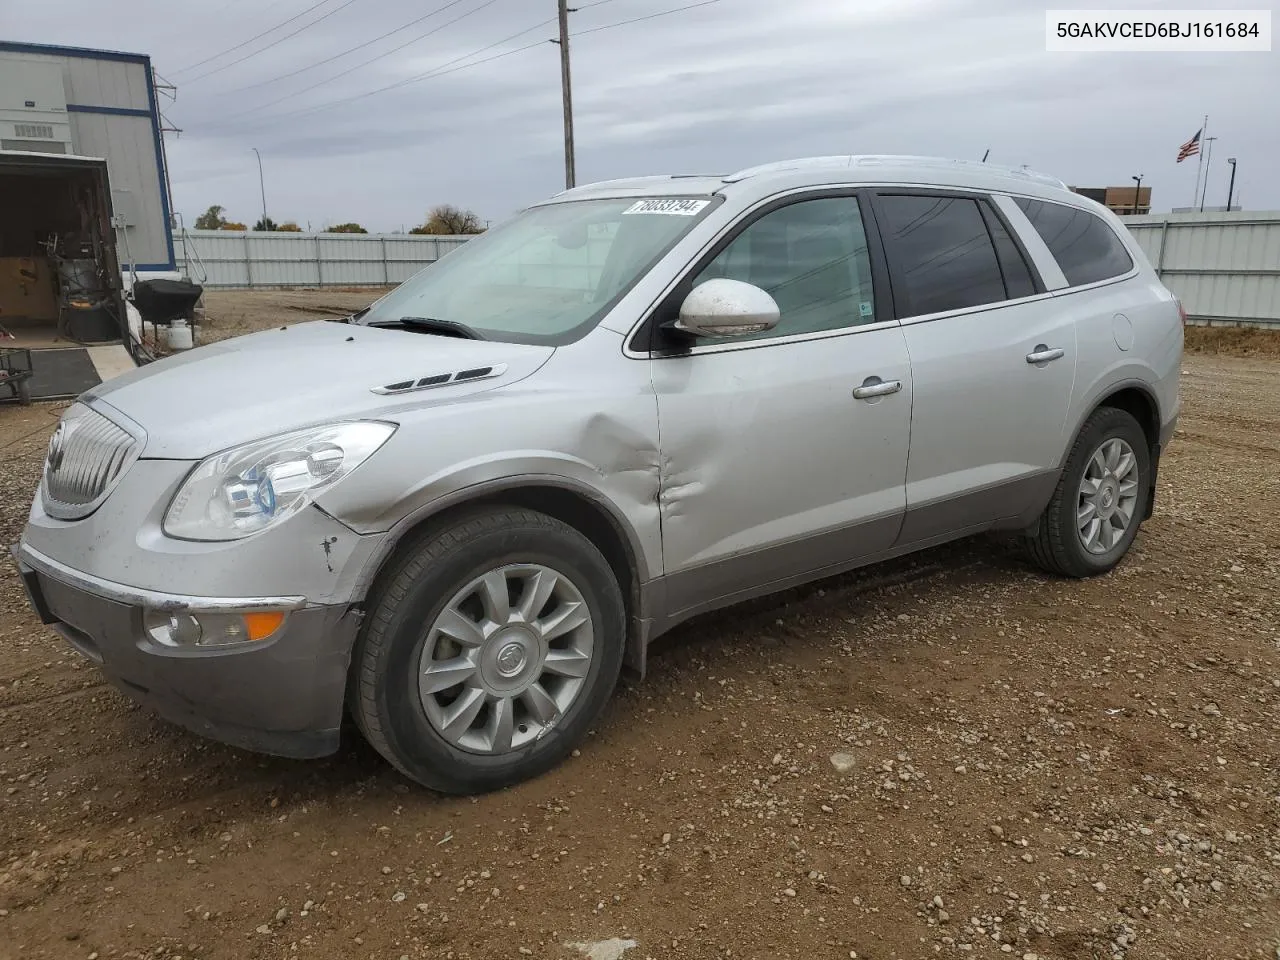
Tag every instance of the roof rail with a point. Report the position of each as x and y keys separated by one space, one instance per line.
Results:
x=803 y=163
x=1021 y=173
x=870 y=160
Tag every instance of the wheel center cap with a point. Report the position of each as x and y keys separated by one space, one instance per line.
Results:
x=1108 y=495
x=511 y=659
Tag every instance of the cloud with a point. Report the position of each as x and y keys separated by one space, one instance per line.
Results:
x=716 y=88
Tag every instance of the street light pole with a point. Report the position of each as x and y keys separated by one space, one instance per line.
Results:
x=566 y=93
x=1231 y=186
x=1137 y=193
x=262 y=185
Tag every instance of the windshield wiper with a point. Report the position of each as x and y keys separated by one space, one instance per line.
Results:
x=448 y=328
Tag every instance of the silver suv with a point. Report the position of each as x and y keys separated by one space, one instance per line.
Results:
x=461 y=511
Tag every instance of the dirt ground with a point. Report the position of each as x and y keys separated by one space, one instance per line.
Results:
x=229 y=313
x=1034 y=767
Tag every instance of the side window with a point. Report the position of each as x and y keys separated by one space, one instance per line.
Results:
x=1018 y=281
x=942 y=251
x=1085 y=246
x=812 y=258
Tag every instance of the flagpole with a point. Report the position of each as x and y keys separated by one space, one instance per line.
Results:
x=1208 y=167
x=1204 y=128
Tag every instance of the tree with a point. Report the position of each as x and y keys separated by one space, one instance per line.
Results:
x=288 y=227
x=448 y=220
x=266 y=223
x=232 y=225
x=211 y=219
x=346 y=228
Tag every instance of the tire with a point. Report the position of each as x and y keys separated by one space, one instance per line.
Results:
x=416 y=610
x=1059 y=542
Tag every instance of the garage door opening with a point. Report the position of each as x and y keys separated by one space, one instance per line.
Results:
x=62 y=310
x=60 y=283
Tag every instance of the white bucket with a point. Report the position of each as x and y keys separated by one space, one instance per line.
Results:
x=178 y=336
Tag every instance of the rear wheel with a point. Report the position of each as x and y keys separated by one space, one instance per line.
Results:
x=1100 y=500
x=489 y=651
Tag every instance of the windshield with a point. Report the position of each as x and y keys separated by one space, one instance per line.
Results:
x=547 y=276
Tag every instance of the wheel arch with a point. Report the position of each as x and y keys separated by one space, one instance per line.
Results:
x=571 y=502
x=1136 y=398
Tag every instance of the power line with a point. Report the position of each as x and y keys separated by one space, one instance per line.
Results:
x=273 y=43
x=365 y=63
x=245 y=43
x=444 y=69
x=367 y=43
x=651 y=16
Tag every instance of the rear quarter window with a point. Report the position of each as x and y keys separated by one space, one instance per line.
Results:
x=1085 y=246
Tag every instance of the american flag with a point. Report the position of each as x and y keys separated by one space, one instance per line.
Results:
x=1191 y=147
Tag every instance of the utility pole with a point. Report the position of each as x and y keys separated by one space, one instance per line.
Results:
x=566 y=91
x=1231 y=186
x=262 y=185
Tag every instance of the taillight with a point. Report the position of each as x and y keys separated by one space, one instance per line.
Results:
x=1182 y=312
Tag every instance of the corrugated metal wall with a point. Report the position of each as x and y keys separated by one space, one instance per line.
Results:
x=109 y=106
x=1224 y=266
x=225 y=258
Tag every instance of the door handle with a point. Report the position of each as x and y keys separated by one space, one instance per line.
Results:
x=874 y=387
x=1043 y=354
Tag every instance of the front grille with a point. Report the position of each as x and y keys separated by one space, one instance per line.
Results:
x=87 y=456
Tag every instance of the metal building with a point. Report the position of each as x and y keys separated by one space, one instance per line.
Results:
x=96 y=103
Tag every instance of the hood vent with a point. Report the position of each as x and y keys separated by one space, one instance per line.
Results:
x=443 y=379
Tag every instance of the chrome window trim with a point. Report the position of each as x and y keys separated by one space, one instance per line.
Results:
x=138 y=596
x=980 y=308
x=1001 y=304
x=732 y=344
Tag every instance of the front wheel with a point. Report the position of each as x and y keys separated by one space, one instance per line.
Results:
x=488 y=651
x=1100 y=500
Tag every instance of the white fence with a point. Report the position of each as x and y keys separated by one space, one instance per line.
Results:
x=230 y=258
x=1224 y=266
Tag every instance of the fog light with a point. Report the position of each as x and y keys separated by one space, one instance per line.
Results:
x=173 y=629
x=187 y=629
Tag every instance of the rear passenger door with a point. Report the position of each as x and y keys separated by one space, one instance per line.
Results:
x=992 y=363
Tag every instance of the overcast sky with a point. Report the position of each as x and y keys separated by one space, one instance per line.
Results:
x=726 y=85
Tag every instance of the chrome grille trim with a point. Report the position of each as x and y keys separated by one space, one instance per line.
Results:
x=88 y=454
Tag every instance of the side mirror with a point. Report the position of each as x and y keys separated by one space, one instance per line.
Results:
x=727 y=308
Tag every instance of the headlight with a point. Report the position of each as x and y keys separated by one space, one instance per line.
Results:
x=247 y=489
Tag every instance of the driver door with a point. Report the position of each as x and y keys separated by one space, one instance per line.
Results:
x=779 y=464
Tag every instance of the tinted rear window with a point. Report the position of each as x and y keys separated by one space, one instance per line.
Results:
x=942 y=249
x=1085 y=247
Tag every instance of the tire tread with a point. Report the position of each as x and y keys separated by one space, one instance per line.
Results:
x=429 y=548
x=1047 y=545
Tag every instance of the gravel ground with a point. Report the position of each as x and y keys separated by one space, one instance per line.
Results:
x=230 y=313
x=951 y=755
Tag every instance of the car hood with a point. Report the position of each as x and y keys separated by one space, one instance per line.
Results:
x=216 y=396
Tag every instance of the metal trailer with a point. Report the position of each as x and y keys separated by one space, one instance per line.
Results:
x=96 y=103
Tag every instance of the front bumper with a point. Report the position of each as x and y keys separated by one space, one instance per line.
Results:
x=283 y=695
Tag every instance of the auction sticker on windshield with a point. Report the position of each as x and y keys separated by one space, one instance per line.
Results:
x=677 y=208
